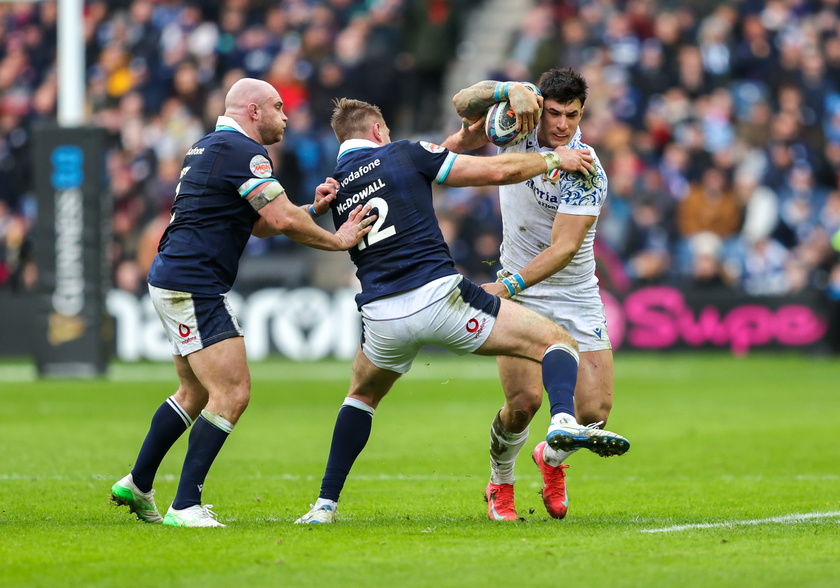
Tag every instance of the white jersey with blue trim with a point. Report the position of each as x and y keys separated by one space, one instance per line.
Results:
x=405 y=248
x=529 y=208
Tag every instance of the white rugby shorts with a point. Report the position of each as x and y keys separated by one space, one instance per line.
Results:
x=194 y=321
x=450 y=312
x=577 y=307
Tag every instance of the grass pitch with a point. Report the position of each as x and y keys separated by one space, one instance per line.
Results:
x=732 y=480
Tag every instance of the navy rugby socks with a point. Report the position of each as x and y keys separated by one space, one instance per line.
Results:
x=208 y=434
x=168 y=424
x=559 y=371
x=350 y=435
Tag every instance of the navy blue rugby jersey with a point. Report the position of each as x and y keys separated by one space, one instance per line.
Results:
x=405 y=249
x=211 y=218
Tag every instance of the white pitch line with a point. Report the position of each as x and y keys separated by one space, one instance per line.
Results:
x=284 y=477
x=445 y=369
x=793 y=518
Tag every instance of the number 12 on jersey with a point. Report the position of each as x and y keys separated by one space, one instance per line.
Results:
x=378 y=233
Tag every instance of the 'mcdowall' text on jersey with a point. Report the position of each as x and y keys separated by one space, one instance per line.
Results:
x=361 y=195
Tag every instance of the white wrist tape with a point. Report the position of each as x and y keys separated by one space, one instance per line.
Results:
x=552 y=160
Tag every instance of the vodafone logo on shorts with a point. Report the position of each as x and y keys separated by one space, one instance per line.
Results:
x=184 y=331
x=260 y=166
x=475 y=326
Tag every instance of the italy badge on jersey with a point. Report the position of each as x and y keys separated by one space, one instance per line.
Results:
x=552 y=176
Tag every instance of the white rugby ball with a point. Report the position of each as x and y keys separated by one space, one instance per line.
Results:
x=500 y=125
x=500 y=122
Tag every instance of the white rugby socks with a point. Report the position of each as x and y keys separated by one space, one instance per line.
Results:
x=504 y=449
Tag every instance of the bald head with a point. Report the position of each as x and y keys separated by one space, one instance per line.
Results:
x=247 y=91
x=257 y=107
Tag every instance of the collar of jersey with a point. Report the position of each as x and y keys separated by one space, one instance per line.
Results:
x=225 y=123
x=576 y=140
x=355 y=144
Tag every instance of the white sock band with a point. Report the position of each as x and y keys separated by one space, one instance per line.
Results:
x=217 y=421
x=358 y=404
x=567 y=348
x=180 y=411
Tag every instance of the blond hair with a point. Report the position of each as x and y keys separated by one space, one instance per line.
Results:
x=351 y=119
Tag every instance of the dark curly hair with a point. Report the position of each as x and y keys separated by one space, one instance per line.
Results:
x=563 y=85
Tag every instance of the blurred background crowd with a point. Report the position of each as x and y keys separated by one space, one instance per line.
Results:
x=718 y=123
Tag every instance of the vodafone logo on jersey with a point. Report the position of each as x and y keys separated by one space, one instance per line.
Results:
x=431 y=147
x=260 y=166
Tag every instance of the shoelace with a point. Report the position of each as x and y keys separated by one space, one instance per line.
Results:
x=503 y=499
x=556 y=475
x=206 y=509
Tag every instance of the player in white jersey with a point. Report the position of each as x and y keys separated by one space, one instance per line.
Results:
x=548 y=266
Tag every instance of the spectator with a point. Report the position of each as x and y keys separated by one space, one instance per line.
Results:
x=648 y=244
x=431 y=36
x=707 y=269
x=711 y=207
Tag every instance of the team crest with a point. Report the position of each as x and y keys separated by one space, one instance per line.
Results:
x=552 y=176
x=260 y=166
x=431 y=147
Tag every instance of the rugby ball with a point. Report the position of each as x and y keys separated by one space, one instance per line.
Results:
x=500 y=123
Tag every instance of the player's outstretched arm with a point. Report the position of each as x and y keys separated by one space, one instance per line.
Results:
x=512 y=168
x=507 y=168
x=278 y=216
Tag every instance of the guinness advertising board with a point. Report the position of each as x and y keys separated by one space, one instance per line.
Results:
x=73 y=331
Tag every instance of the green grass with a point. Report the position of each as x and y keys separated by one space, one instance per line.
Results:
x=716 y=441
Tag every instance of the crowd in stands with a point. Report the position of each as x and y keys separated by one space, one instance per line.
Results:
x=718 y=122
